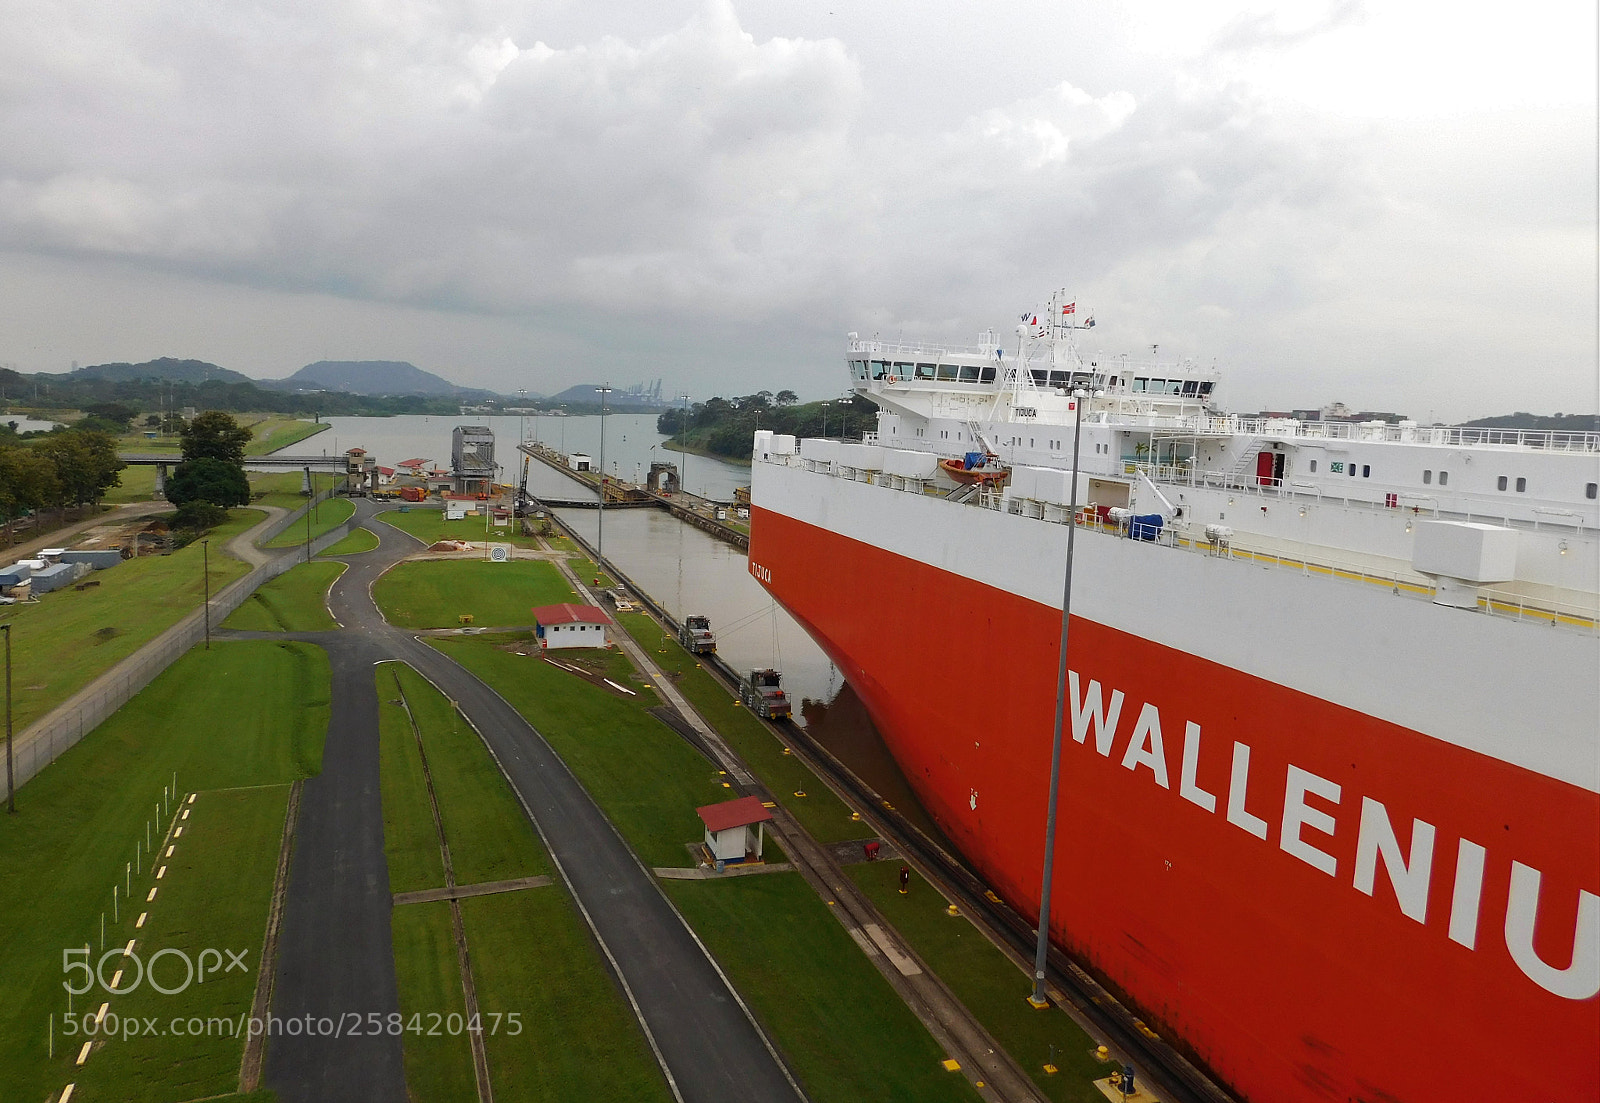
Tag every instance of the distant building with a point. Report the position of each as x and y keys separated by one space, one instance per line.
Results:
x=567 y=625
x=361 y=472
x=472 y=459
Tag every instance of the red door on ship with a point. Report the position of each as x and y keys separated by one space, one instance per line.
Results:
x=1264 y=462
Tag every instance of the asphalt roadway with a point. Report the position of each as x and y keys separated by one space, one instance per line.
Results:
x=335 y=959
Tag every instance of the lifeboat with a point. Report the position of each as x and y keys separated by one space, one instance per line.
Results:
x=974 y=468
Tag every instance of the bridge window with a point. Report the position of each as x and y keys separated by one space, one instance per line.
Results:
x=969 y=373
x=1205 y=388
x=947 y=372
x=1190 y=386
x=1139 y=385
x=988 y=373
x=880 y=368
x=926 y=371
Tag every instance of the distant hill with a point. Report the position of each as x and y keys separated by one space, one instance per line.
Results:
x=370 y=377
x=1570 y=423
x=167 y=368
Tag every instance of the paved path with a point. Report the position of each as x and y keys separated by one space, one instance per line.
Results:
x=56 y=538
x=336 y=958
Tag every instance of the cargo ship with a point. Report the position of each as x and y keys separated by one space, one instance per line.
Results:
x=1330 y=788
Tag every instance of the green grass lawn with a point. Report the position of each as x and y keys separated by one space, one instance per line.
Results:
x=282 y=488
x=325 y=515
x=428 y=525
x=533 y=957
x=435 y=593
x=438 y=1065
x=586 y=572
x=84 y=818
x=359 y=540
x=645 y=777
x=410 y=842
x=820 y=811
x=275 y=432
x=70 y=637
x=530 y=953
x=490 y=836
x=987 y=982
x=845 y=1031
x=295 y=601
x=135 y=484
x=215 y=893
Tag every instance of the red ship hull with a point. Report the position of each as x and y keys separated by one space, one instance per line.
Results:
x=1331 y=914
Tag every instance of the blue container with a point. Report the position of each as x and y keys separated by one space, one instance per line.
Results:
x=1145 y=526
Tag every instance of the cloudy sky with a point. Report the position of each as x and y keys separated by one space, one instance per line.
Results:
x=1391 y=204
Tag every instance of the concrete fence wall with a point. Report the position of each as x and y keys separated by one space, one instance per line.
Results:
x=43 y=741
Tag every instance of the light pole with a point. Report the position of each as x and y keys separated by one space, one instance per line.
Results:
x=11 y=787
x=1038 y=998
x=825 y=404
x=205 y=558
x=604 y=389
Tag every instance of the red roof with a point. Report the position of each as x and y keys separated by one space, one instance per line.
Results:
x=413 y=463
x=570 y=614
x=734 y=813
x=386 y=471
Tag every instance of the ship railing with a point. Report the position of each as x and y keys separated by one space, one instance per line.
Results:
x=1452 y=436
x=901 y=351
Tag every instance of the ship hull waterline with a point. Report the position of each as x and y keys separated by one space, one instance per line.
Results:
x=1280 y=882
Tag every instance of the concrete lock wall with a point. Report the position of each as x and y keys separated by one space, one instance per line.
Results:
x=42 y=742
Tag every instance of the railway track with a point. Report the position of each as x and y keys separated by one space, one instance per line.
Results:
x=1171 y=1074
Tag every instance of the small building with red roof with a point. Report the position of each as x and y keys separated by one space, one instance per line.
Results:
x=567 y=625
x=734 y=829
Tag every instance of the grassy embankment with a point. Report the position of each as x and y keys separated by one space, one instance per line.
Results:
x=820 y=811
x=70 y=637
x=530 y=952
x=83 y=821
x=272 y=432
x=429 y=526
x=988 y=983
x=437 y=593
x=295 y=601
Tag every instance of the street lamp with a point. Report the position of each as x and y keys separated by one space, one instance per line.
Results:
x=205 y=558
x=11 y=787
x=683 y=476
x=1038 y=998
x=825 y=404
x=604 y=389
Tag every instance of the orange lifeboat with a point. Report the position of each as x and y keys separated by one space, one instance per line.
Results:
x=961 y=473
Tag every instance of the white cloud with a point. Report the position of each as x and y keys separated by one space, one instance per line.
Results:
x=1244 y=193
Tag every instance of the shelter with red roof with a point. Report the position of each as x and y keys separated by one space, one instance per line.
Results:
x=734 y=829
x=566 y=625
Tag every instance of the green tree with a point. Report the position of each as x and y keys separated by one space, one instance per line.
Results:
x=208 y=480
x=786 y=398
x=86 y=464
x=27 y=482
x=217 y=436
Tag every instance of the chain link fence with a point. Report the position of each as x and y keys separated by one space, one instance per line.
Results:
x=45 y=740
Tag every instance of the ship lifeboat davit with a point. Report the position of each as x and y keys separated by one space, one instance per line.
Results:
x=975 y=467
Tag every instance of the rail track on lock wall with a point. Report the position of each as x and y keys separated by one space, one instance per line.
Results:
x=1172 y=1073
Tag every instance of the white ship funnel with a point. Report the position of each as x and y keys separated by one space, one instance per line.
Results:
x=1461 y=556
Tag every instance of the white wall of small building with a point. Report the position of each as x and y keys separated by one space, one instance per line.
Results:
x=574 y=635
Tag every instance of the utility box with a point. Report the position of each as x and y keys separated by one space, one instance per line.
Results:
x=1463 y=555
